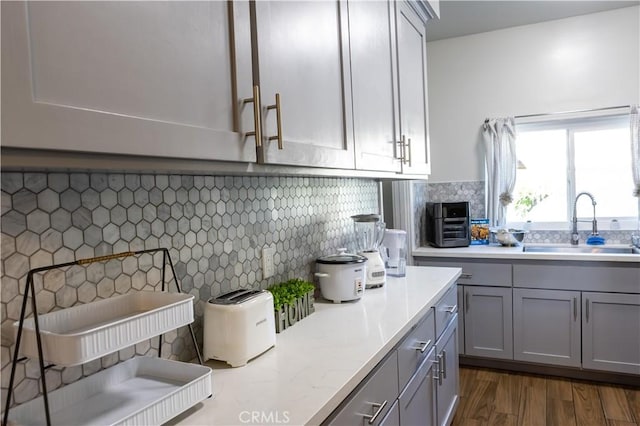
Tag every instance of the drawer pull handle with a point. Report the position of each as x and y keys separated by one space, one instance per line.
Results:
x=423 y=346
x=587 y=318
x=466 y=275
x=440 y=369
x=380 y=407
x=575 y=308
x=451 y=309
x=466 y=301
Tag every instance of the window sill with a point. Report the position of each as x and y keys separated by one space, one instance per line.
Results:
x=622 y=225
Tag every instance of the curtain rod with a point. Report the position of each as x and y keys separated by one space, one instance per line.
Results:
x=573 y=112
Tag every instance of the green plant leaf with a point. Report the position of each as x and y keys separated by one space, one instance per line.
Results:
x=285 y=293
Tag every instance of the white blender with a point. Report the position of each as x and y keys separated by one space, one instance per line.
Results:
x=369 y=232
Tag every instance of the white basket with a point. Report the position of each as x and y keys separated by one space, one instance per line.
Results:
x=140 y=391
x=86 y=332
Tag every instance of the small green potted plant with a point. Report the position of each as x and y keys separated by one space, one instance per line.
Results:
x=292 y=301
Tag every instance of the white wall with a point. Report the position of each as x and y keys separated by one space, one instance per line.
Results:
x=589 y=61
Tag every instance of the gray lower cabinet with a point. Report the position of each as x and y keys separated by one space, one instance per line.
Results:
x=546 y=326
x=579 y=314
x=488 y=322
x=611 y=332
x=448 y=387
x=417 y=384
x=417 y=402
x=393 y=416
x=375 y=397
x=461 y=309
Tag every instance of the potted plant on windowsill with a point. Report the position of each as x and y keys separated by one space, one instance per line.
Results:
x=292 y=301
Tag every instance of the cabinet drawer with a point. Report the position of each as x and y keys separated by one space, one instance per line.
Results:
x=415 y=347
x=446 y=309
x=375 y=396
x=482 y=272
x=579 y=276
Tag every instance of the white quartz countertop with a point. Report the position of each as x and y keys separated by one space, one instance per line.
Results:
x=496 y=251
x=317 y=362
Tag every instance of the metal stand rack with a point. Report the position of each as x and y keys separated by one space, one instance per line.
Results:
x=30 y=287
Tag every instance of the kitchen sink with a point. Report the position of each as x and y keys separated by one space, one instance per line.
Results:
x=580 y=249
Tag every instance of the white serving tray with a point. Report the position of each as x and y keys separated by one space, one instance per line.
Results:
x=86 y=332
x=139 y=391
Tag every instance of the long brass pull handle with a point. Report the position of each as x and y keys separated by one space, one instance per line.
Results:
x=276 y=106
x=575 y=308
x=380 y=407
x=256 y=115
x=423 y=346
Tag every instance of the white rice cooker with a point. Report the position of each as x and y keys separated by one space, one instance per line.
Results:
x=342 y=276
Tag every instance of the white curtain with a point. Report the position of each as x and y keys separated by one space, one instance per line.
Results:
x=500 y=162
x=635 y=164
x=635 y=148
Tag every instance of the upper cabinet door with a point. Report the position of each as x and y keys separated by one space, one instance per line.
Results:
x=301 y=55
x=412 y=78
x=140 y=78
x=373 y=72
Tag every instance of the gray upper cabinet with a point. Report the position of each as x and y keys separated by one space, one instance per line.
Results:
x=546 y=326
x=412 y=90
x=301 y=55
x=374 y=85
x=488 y=322
x=139 y=78
x=611 y=332
x=389 y=77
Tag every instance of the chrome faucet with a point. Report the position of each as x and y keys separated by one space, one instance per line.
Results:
x=575 y=237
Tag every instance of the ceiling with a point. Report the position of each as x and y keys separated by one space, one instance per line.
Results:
x=464 y=17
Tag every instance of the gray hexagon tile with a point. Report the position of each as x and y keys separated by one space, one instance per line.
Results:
x=214 y=227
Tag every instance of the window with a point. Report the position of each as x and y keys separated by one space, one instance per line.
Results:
x=558 y=159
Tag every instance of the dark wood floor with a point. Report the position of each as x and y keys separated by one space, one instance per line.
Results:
x=491 y=398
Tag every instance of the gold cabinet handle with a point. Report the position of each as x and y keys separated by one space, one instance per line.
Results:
x=276 y=106
x=256 y=115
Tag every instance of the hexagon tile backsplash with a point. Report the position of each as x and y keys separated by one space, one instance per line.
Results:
x=214 y=227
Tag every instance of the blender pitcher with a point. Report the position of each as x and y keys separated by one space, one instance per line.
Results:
x=369 y=232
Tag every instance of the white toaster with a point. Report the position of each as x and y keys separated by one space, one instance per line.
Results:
x=239 y=326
